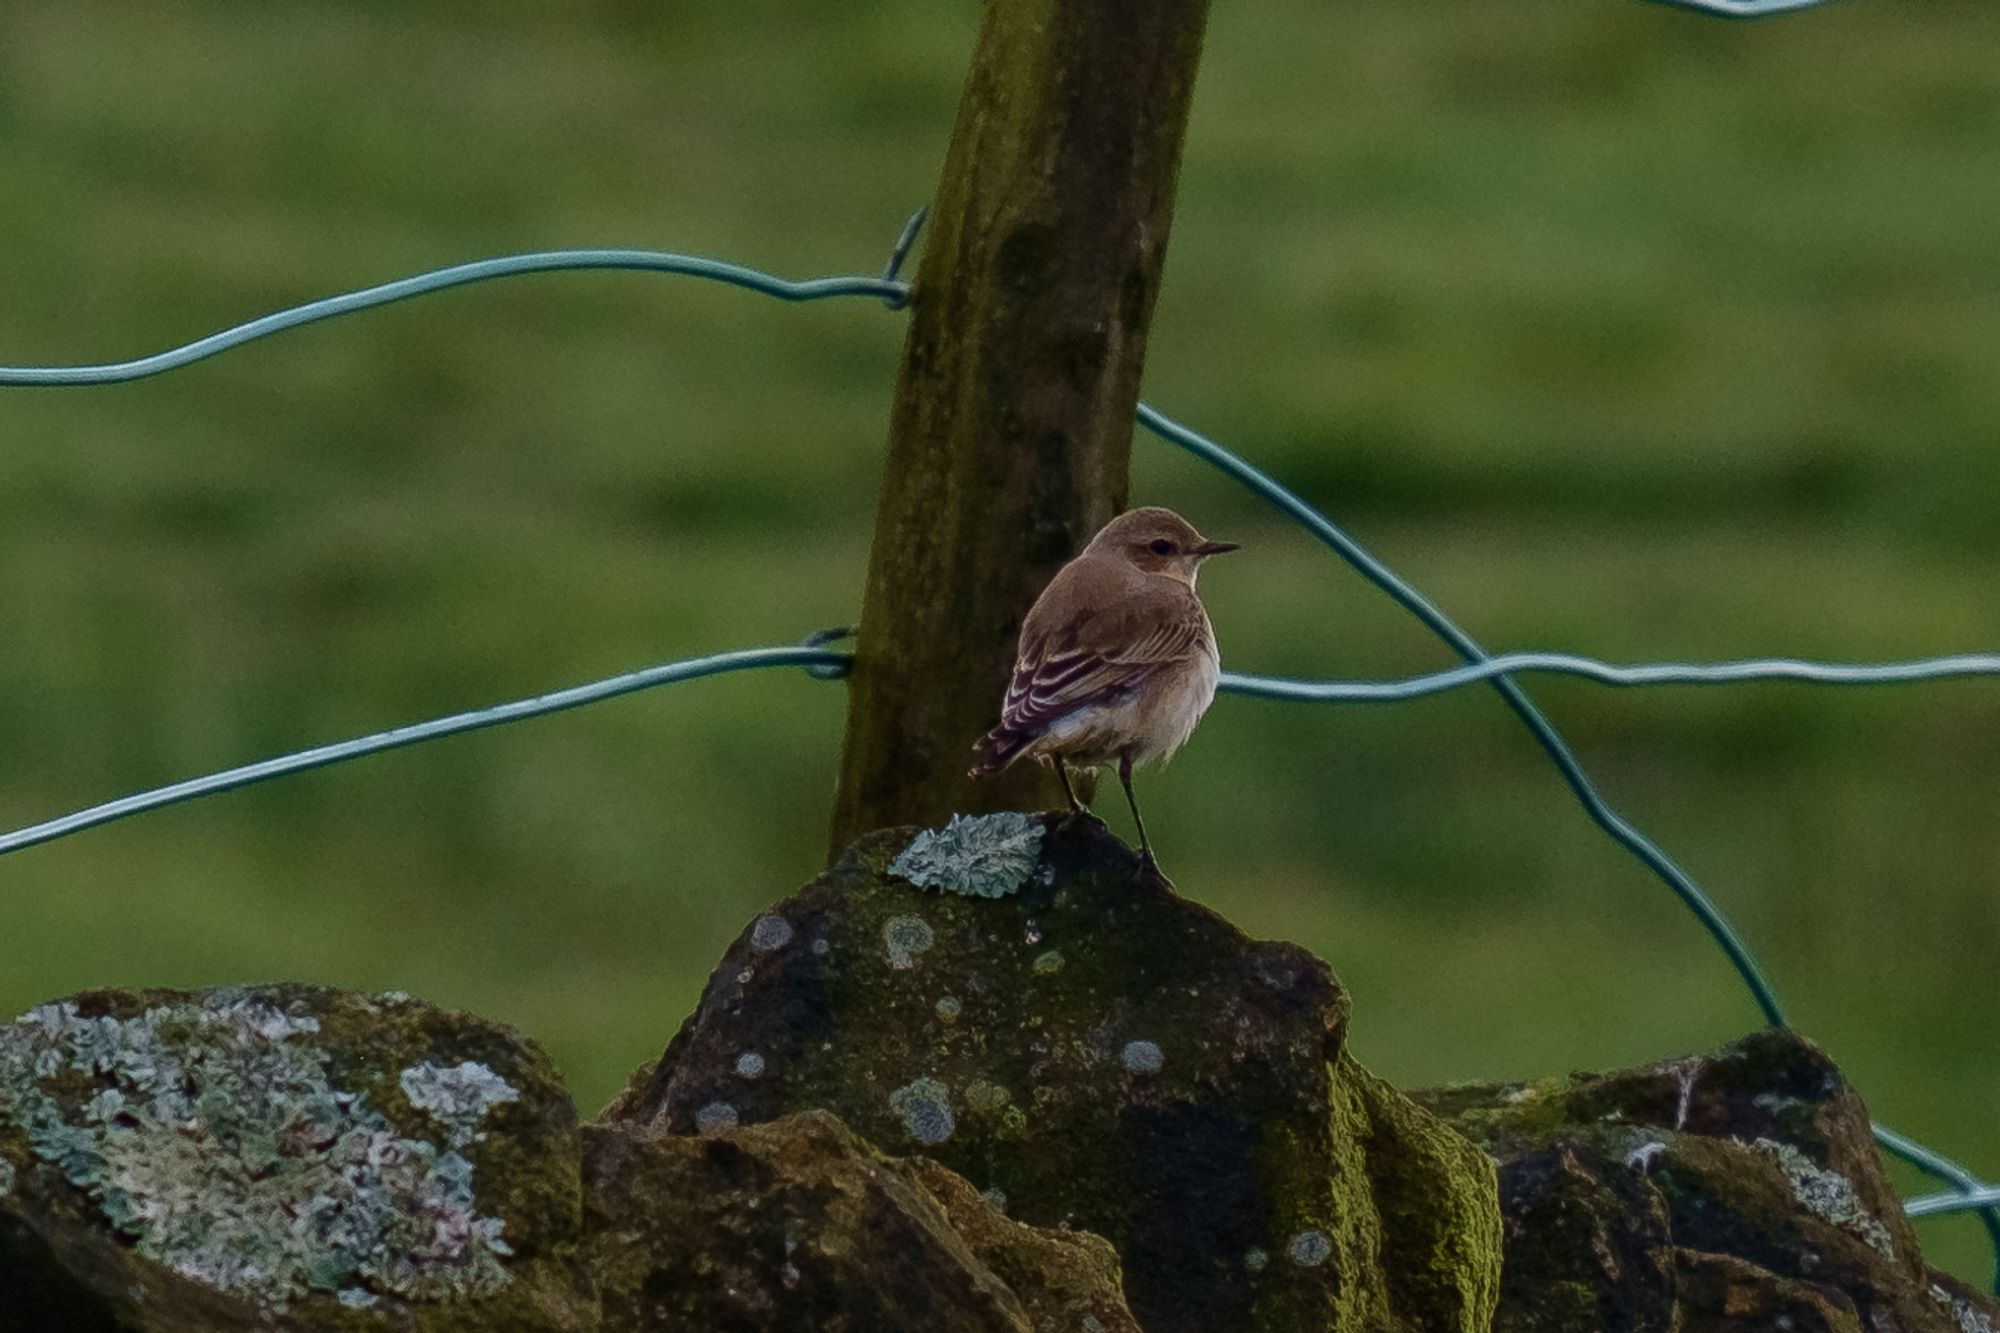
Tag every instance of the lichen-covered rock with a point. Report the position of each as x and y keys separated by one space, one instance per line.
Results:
x=1094 y=1051
x=1973 y=1310
x=1749 y=1177
x=797 y=1226
x=240 y=1158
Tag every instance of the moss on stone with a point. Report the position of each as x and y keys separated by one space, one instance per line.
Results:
x=1091 y=1051
x=1732 y=1198
x=1064 y=1278
x=1116 y=1058
x=799 y=1224
x=1724 y=1294
x=1588 y=1246
x=1439 y=1199
x=1746 y=1182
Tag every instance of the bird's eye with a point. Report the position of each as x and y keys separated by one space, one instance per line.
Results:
x=1163 y=547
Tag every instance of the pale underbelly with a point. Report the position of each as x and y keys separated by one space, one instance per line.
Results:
x=1150 y=725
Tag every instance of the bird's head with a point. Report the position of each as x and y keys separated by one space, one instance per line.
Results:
x=1158 y=541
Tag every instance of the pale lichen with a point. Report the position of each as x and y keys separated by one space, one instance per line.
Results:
x=457 y=1096
x=210 y=1134
x=904 y=938
x=770 y=933
x=925 y=1106
x=1685 y=1074
x=983 y=856
x=715 y=1118
x=1827 y=1193
x=1310 y=1249
x=1142 y=1057
x=1963 y=1313
x=1641 y=1157
x=750 y=1065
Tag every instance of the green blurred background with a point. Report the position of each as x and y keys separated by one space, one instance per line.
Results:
x=1620 y=330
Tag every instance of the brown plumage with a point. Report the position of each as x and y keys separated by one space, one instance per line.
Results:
x=1117 y=660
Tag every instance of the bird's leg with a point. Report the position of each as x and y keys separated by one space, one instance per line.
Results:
x=1146 y=861
x=1079 y=813
x=1076 y=807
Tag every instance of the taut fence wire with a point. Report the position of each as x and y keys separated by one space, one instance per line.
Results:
x=828 y=664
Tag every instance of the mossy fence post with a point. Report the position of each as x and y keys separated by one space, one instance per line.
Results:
x=1011 y=434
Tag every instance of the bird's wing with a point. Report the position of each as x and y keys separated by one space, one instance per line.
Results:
x=1099 y=657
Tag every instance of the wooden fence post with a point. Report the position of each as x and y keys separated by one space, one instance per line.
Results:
x=1011 y=433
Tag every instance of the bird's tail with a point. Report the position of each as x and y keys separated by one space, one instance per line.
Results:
x=997 y=749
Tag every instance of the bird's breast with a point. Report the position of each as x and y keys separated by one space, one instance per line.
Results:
x=1169 y=712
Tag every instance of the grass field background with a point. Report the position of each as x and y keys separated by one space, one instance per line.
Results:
x=1620 y=331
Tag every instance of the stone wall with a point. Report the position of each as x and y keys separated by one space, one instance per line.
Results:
x=1037 y=1091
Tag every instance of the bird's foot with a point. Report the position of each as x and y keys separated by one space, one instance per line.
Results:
x=1149 y=868
x=1079 y=818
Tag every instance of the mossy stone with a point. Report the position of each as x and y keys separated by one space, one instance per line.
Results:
x=1729 y=1191
x=1118 y=1059
x=248 y=1157
x=1724 y=1294
x=1589 y=1246
x=797 y=1224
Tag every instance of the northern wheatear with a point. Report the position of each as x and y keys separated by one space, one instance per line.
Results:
x=1117 y=659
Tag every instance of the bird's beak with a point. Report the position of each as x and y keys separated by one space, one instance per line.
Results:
x=1215 y=548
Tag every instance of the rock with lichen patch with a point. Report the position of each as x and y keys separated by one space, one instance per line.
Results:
x=798 y=1224
x=238 y=1158
x=1971 y=1309
x=1113 y=1058
x=1745 y=1182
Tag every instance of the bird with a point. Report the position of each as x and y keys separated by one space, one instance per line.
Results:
x=1117 y=659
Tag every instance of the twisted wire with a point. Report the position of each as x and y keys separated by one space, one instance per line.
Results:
x=1605 y=673
x=814 y=659
x=886 y=289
